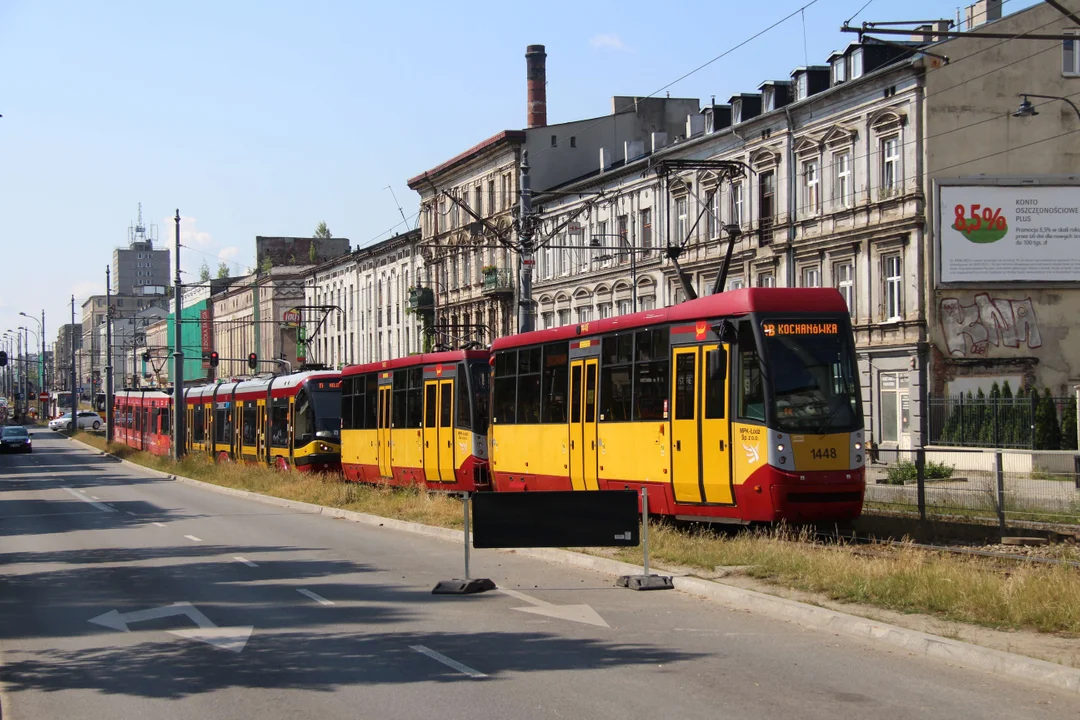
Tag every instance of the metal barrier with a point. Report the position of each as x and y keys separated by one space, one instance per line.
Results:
x=1006 y=485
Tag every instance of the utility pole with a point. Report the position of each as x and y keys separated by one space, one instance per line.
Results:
x=109 y=360
x=178 y=358
x=71 y=341
x=255 y=310
x=44 y=385
x=525 y=233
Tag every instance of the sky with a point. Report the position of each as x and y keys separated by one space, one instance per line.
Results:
x=265 y=118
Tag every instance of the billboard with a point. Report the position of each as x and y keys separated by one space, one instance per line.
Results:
x=1015 y=233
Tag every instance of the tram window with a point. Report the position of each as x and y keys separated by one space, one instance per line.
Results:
x=528 y=361
x=461 y=385
x=554 y=383
x=650 y=390
x=616 y=396
x=715 y=383
x=279 y=423
x=347 y=385
x=651 y=344
x=751 y=387
x=528 y=398
x=505 y=400
x=480 y=378
x=575 y=394
x=430 y=408
x=197 y=424
x=414 y=411
x=248 y=426
x=590 y=394
x=166 y=418
x=506 y=364
x=303 y=429
x=358 y=403
x=371 y=402
x=685 y=385
x=618 y=349
x=445 y=399
x=398 y=406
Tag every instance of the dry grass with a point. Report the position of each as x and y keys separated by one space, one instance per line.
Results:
x=974 y=590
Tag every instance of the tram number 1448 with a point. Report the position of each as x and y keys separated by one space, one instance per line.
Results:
x=823 y=453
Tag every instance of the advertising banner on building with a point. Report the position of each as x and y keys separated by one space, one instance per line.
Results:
x=1016 y=233
x=207 y=327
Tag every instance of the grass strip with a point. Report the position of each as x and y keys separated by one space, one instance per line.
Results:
x=993 y=593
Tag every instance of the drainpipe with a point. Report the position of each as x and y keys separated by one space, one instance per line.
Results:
x=793 y=178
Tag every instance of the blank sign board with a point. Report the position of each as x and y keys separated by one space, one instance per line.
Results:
x=598 y=518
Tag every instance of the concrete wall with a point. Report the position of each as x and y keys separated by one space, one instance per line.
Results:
x=996 y=330
x=296 y=251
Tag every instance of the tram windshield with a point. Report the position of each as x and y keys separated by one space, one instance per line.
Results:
x=480 y=373
x=318 y=412
x=812 y=374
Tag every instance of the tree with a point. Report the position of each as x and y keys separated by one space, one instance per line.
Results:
x=204 y=272
x=311 y=254
x=1068 y=425
x=222 y=271
x=1047 y=430
x=322 y=232
x=266 y=264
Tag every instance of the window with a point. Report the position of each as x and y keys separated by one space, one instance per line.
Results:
x=554 y=141
x=842 y=186
x=564 y=317
x=548 y=319
x=766 y=280
x=279 y=423
x=525 y=391
x=811 y=187
x=811 y=277
x=584 y=314
x=751 y=389
x=844 y=280
x=894 y=420
x=714 y=213
x=856 y=63
x=491 y=197
x=801 y=87
x=478 y=202
x=605 y=310
x=893 y=307
x=1070 y=55
x=573 y=141
x=766 y=208
x=634 y=376
x=625 y=307
x=890 y=164
x=622 y=228
x=555 y=382
x=505 y=192
x=646 y=232
x=736 y=204
x=735 y=283
x=838 y=74
x=681 y=225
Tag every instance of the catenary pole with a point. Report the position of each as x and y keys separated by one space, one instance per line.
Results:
x=109 y=357
x=178 y=357
x=525 y=244
x=71 y=341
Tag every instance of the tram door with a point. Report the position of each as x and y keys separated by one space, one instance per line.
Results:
x=431 y=431
x=700 y=443
x=385 y=468
x=260 y=432
x=715 y=431
x=685 y=438
x=583 y=403
x=447 y=467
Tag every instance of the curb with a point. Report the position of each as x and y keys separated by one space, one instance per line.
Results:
x=995 y=662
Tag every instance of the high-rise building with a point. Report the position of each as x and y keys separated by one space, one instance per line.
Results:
x=139 y=269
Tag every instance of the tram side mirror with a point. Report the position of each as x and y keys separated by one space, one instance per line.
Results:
x=725 y=330
x=717 y=363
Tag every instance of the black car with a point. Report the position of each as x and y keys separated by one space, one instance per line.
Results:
x=14 y=438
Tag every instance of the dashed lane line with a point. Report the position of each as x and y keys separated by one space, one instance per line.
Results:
x=160 y=524
x=99 y=506
x=245 y=561
x=315 y=596
x=192 y=538
x=449 y=662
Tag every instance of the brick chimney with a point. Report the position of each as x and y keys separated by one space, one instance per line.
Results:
x=536 y=73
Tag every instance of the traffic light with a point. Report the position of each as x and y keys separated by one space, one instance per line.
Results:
x=253 y=360
x=3 y=358
x=214 y=359
x=146 y=356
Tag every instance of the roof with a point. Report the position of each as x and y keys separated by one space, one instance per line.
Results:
x=726 y=304
x=474 y=150
x=280 y=382
x=451 y=356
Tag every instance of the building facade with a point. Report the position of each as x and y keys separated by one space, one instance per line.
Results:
x=140 y=268
x=68 y=334
x=238 y=329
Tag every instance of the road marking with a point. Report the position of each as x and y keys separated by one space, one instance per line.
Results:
x=315 y=596
x=129 y=512
x=99 y=506
x=449 y=662
x=192 y=538
x=245 y=561
x=574 y=613
x=95 y=497
x=160 y=524
x=227 y=638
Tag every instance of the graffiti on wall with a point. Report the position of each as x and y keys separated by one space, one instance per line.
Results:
x=971 y=329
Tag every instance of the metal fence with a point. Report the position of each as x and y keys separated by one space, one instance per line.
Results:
x=1006 y=485
x=1028 y=422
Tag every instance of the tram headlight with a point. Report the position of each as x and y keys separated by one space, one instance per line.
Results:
x=324 y=447
x=858 y=446
x=779 y=448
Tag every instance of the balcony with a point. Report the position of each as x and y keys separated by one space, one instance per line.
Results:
x=421 y=298
x=498 y=282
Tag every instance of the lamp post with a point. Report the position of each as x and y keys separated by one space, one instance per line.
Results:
x=41 y=360
x=1026 y=109
x=632 y=251
x=37 y=341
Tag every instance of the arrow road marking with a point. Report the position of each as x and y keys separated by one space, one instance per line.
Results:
x=99 y=506
x=226 y=638
x=574 y=613
x=449 y=662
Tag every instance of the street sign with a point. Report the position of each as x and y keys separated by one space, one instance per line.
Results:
x=43 y=396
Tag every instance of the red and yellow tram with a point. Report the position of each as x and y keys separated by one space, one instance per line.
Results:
x=417 y=420
x=739 y=407
x=143 y=420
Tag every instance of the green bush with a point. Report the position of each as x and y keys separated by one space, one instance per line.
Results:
x=1068 y=425
x=938 y=471
x=902 y=472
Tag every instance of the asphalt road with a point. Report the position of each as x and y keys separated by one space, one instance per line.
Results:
x=292 y=615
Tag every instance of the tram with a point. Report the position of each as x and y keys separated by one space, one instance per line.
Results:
x=738 y=407
x=142 y=420
x=417 y=420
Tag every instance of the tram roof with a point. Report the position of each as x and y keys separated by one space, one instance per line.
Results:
x=450 y=356
x=151 y=394
x=281 y=382
x=725 y=304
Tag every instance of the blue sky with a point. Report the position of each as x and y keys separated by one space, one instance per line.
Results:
x=263 y=118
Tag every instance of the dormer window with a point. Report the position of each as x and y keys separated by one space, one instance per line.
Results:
x=768 y=97
x=856 y=63
x=736 y=112
x=801 y=87
x=838 y=71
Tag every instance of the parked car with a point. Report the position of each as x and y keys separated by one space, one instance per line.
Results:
x=15 y=438
x=86 y=419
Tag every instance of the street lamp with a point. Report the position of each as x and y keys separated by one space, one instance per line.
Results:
x=41 y=359
x=1026 y=109
x=633 y=259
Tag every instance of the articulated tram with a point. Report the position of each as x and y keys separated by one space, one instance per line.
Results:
x=284 y=421
x=417 y=420
x=742 y=406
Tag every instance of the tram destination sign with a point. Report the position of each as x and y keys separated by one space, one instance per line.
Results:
x=772 y=329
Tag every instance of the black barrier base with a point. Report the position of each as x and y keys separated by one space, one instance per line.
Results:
x=646 y=582
x=463 y=587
